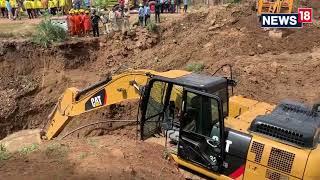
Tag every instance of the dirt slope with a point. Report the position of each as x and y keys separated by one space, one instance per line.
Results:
x=267 y=69
x=107 y=157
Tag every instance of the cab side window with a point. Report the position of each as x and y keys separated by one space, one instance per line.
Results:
x=201 y=115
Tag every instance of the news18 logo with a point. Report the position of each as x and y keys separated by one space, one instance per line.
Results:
x=287 y=20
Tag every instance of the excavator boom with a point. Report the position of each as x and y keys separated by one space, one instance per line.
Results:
x=116 y=89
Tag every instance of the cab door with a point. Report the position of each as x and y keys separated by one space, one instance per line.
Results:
x=153 y=108
x=201 y=139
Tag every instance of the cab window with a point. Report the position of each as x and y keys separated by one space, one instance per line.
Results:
x=156 y=98
x=201 y=115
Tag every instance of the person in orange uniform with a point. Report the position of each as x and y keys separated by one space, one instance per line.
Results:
x=86 y=23
x=81 y=11
x=77 y=22
x=71 y=23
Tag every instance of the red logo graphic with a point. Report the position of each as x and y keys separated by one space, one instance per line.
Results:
x=305 y=15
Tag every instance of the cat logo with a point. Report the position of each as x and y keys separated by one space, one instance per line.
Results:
x=97 y=100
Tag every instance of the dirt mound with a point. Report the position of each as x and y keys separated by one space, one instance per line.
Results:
x=17 y=141
x=108 y=157
x=279 y=68
x=224 y=32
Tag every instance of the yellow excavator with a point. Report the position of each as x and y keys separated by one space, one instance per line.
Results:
x=274 y=6
x=211 y=131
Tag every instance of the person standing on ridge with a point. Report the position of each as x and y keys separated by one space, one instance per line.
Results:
x=121 y=4
x=112 y=19
x=86 y=23
x=14 y=6
x=95 y=24
x=77 y=22
x=28 y=6
x=162 y=5
x=173 y=6
x=185 y=6
x=146 y=14
x=82 y=15
x=166 y=5
x=3 y=8
x=125 y=24
x=9 y=9
x=178 y=6
x=157 y=11
x=71 y=23
x=141 y=15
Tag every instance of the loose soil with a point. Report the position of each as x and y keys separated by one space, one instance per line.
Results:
x=107 y=157
x=33 y=78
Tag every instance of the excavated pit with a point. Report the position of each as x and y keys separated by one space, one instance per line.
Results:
x=266 y=69
x=33 y=78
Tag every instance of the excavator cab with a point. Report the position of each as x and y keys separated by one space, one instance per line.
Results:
x=195 y=107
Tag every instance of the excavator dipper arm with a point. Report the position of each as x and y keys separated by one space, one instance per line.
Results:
x=74 y=102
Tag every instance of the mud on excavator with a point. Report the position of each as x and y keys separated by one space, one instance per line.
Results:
x=210 y=131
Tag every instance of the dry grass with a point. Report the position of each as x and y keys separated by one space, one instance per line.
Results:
x=17 y=30
x=56 y=150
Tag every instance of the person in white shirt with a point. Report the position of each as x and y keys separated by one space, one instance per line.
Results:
x=125 y=24
x=112 y=20
x=185 y=3
x=146 y=14
x=141 y=14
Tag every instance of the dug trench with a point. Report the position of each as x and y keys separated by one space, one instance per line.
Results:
x=266 y=69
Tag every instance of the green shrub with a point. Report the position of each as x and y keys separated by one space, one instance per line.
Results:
x=152 y=27
x=4 y=154
x=195 y=67
x=29 y=149
x=48 y=33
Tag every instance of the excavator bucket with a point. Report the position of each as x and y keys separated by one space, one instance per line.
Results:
x=59 y=117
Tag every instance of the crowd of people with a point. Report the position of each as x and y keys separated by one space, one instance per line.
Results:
x=161 y=6
x=13 y=9
x=172 y=6
x=80 y=22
